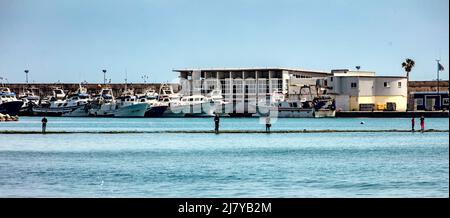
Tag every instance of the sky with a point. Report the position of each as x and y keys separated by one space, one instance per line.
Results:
x=72 y=41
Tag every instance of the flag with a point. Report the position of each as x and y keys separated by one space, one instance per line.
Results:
x=440 y=67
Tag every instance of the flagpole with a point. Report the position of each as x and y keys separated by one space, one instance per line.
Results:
x=438 y=75
x=438 y=69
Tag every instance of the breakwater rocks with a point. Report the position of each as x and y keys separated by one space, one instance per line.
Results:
x=7 y=117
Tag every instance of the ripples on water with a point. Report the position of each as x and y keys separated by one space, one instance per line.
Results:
x=225 y=165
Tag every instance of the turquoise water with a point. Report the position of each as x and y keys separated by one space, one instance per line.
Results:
x=158 y=124
x=224 y=165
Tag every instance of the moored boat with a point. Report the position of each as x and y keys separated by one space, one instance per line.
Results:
x=8 y=102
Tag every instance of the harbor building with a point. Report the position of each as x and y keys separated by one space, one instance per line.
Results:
x=428 y=95
x=244 y=86
x=364 y=91
x=430 y=101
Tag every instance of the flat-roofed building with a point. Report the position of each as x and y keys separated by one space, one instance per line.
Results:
x=363 y=91
x=244 y=85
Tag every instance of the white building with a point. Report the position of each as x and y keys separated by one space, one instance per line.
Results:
x=363 y=91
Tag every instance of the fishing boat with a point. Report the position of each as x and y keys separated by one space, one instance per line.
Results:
x=280 y=107
x=127 y=105
x=155 y=107
x=166 y=98
x=30 y=100
x=72 y=105
x=324 y=106
x=9 y=104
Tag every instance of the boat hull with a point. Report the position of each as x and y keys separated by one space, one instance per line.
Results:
x=285 y=112
x=12 y=107
x=196 y=110
x=44 y=111
x=156 y=111
x=135 y=110
x=324 y=113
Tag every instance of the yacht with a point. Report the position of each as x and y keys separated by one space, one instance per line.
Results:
x=127 y=105
x=8 y=102
x=194 y=105
x=199 y=105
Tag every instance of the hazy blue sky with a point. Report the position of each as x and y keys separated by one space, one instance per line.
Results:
x=73 y=40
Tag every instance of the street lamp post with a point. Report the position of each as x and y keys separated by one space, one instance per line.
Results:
x=104 y=77
x=145 y=78
x=26 y=74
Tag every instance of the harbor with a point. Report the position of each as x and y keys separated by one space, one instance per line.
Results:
x=237 y=92
x=222 y=107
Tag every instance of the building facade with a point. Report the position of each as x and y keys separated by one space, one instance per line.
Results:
x=243 y=86
x=363 y=91
x=430 y=101
x=428 y=95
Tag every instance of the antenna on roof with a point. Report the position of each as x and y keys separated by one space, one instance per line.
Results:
x=358 y=67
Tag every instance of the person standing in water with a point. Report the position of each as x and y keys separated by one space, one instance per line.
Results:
x=422 y=123
x=44 y=124
x=413 y=123
x=216 y=123
x=268 y=124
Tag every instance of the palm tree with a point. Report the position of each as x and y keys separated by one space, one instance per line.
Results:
x=408 y=65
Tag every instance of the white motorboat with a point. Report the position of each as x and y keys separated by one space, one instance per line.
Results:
x=199 y=105
x=195 y=105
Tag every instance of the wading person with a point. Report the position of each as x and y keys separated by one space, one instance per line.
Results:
x=413 y=123
x=44 y=124
x=268 y=125
x=216 y=123
x=422 y=123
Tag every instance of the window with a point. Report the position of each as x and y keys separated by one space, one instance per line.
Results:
x=399 y=84
x=445 y=101
x=353 y=85
x=387 y=85
x=331 y=79
x=419 y=101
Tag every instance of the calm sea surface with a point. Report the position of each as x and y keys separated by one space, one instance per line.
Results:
x=224 y=165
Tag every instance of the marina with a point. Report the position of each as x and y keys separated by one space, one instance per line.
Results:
x=244 y=108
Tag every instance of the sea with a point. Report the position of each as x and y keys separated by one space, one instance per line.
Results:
x=161 y=165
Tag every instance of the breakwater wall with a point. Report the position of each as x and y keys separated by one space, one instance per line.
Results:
x=45 y=89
